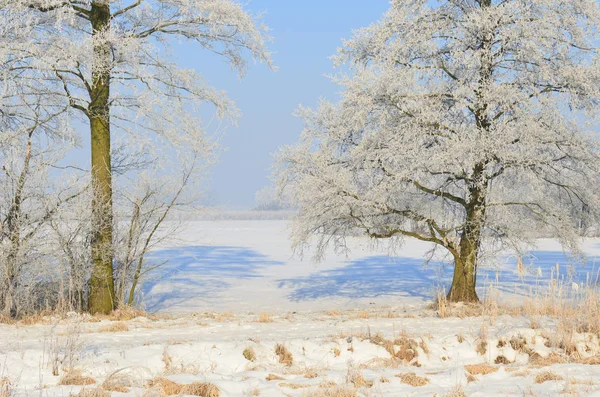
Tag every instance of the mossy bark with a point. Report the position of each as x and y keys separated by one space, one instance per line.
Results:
x=466 y=257
x=102 y=289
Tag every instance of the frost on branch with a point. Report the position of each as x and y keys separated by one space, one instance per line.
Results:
x=468 y=124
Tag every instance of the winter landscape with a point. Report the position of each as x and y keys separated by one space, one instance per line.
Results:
x=198 y=199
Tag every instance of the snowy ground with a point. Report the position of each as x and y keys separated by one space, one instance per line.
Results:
x=245 y=266
x=326 y=348
x=234 y=285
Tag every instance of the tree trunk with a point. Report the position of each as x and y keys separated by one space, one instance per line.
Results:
x=465 y=260
x=102 y=290
x=465 y=275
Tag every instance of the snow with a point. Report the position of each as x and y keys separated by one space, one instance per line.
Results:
x=201 y=348
x=218 y=265
x=331 y=317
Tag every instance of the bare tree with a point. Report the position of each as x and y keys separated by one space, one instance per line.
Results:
x=149 y=210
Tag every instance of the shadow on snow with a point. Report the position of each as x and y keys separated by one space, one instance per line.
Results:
x=199 y=272
x=378 y=276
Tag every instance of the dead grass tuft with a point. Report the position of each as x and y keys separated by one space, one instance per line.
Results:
x=457 y=391
x=522 y=373
x=407 y=348
x=546 y=376
x=356 y=378
x=224 y=317
x=294 y=385
x=120 y=381
x=125 y=313
x=362 y=314
x=249 y=354
x=119 y=326
x=97 y=391
x=413 y=379
x=539 y=361
x=6 y=387
x=264 y=318
x=311 y=373
x=482 y=341
x=480 y=369
x=285 y=357
x=203 y=389
x=75 y=378
x=272 y=377
x=501 y=360
x=167 y=387
x=332 y=390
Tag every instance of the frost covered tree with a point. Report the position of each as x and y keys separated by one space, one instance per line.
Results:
x=465 y=123
x=109 y=60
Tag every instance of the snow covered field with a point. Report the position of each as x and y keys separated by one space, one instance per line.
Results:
x=245 y=266
x=250 y=319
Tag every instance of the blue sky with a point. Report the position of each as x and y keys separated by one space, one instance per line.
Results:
x=306 y=33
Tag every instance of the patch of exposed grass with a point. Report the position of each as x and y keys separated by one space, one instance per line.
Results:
x=75 y=378
x=480 y=369
x=264 y=318
x=413 y=379
x=119 y=326
x=285 y=357
x=167 y=387
x=249 y=354
x=97 y=391
x=546 y=376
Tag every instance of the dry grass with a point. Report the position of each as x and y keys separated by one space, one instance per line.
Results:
x=294 y=385
x=119 y=326
x=249 y=354
x=120 y=381
x=521 y=373
x=203 y=389
x=224 y=317
x=167 y=387
x=403 y=348
x=480 y=369
x=253 y=392
x=264 y=318
x=546 y=376
x=97 y=391
x=124 y=313
x=413 y=379
x=573 y=386
x=327 y=390
x=6 y=387
x=471 y=378
x=482 y=340
x=446 y=309
x=272 y=377
x=457 y=391
x=539 y=361
x=285 y=357
x=594 y=360
x=356 y=377
x=75 y=378
x=407 y=348
x=311 y=373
